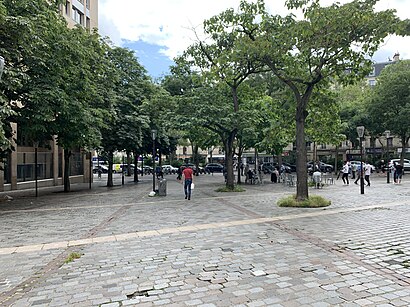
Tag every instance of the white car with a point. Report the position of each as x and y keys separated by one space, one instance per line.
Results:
x=169 y=169
x=406 y=163
x=357 y=164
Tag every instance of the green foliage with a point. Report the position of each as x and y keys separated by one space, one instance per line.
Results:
x=352 y=100
x=390 y=100
x=72 y=257
x=229 y=189
x=314 y=201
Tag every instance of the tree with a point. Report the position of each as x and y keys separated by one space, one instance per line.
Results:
x=390 y=102
x=19 y=22
x=224 y=59
x=130 y=87
x=328 y=43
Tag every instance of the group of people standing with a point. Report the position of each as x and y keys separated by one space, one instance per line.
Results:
x=356 y=172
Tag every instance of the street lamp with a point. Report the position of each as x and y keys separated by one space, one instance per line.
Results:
x=387 y=133
x=154 y=136
x=360 y=132
x=35 y=165
x=1 y=65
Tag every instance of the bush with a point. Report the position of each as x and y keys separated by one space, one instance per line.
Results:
x=314 y=201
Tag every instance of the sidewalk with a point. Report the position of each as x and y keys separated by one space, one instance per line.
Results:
x=218 y=249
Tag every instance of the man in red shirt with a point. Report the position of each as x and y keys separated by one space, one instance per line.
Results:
x=187 y=175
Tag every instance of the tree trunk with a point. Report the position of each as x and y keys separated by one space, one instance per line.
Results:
x=279 y=161
x=136 y=167
x=230 y=184
x=301 y=152
x=404 y=141
x=110 y=163
x=195 y=158
x=336 y=157
x=240 y=151
x=67 y=155
x=128 y=164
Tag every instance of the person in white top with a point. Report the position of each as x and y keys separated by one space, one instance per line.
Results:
x=345 y=176
x=367 y=172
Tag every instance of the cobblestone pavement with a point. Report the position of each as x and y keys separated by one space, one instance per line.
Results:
x=218 y=249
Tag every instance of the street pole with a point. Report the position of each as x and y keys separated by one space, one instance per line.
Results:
x=360 y=132
x=387 y=132
x=361 y=167
x=35 y=165
x=123 y=170
x=91 y=169
x=142 y=165
x=154 y=134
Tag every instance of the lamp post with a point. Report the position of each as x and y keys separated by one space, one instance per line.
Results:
x=360 y=132
x=1 y=65
x=35 y=165
x=387 y=133
x=154 y=136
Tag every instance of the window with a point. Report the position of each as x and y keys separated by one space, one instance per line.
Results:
x=88 y=23
x=87 y=4
x=67 y=8
x=78 y=17
x=372 y=82
x=373 y=72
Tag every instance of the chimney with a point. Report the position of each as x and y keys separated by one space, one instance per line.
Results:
x=396 y=57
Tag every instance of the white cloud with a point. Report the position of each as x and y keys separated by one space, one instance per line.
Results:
x=170 y=23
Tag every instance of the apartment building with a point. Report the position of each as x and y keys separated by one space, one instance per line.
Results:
x=81 y=12
x=19 y=169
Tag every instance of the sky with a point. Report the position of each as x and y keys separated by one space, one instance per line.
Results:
x=160 y=30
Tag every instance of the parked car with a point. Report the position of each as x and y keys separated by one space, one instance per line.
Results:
x=406 y=163
x=193 y=166
x=326 y=168
x=269 y=167
x=291 y=166
x=147 y=169
x=214 y=168
x=103 y=169
x=169 y=169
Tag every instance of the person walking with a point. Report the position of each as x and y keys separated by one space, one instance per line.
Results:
x=345 y=176
x=187 y=175
x=247 y=173
x=358 y=173
x=354 y=168
x=367 y=172
x=398 y=173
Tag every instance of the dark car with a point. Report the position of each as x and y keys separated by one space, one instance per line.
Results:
x=325 y=168
x=102 y=168
x=291 y=166
x=269 y=167
x=214 y=168
x=193 y=166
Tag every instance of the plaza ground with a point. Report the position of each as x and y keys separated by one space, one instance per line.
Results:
x=218 y=249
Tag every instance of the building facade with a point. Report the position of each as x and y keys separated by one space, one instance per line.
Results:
x=18 y=171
